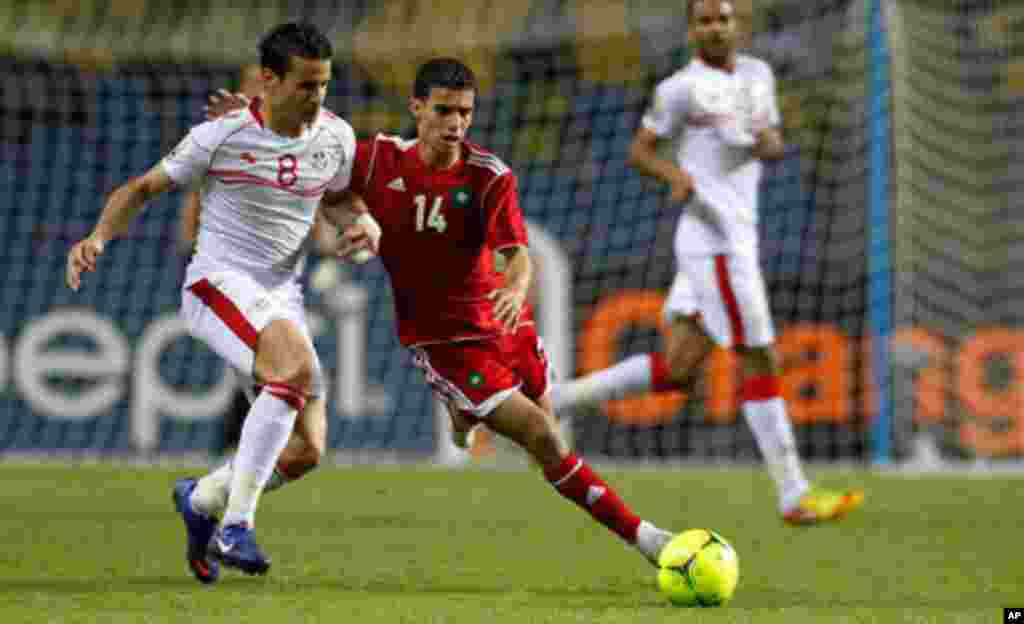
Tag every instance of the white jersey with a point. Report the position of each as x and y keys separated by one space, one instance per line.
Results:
x=262 y=189
x=712 y=111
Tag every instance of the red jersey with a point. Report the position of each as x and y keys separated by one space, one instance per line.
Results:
x=440 y=230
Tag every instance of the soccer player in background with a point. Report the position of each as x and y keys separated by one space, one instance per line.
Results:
x=445 y=207
x=723 y=106
x=266 y=167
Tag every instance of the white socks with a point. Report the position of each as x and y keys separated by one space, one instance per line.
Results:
x=650 y=540
x=774 y=434
x=264 y=435
x=629 y=376
x=211 y=494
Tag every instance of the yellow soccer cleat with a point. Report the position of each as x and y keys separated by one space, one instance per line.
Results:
x=819 y=505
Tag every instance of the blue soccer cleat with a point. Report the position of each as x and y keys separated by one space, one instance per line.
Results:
x=235 y=546
x=199 y=528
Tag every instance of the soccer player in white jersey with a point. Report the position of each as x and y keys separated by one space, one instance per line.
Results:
x=723 y=106
x=266 y=169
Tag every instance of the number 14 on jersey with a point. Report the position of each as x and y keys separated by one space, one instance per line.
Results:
x=434 y=219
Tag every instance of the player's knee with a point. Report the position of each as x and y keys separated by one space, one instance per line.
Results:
x=298 y=374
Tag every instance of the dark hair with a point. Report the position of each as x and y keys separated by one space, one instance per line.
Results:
x=443 y=73
x=300 y=39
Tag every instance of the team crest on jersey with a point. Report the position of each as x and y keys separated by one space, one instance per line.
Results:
x=339 y=154
x=461 y=197
x=320 y=160
x=476 y=379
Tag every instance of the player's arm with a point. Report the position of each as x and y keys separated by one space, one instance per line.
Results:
x=188 y=221
x=506 y=234
x=122 y=206
x=643 y=155
x=347 y=211
x=669 y=107
x=767 y=120
x=769 y=145
x=509 y=301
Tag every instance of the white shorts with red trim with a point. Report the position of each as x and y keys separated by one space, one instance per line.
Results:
x=228 y=309
x=728 y=293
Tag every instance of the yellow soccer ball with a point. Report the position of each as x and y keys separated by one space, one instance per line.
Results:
x=698 y=568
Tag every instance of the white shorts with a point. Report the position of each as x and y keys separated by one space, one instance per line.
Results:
x=727 y=292
x=228 y=309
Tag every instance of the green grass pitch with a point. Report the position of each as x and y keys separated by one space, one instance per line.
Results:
x=402 y=544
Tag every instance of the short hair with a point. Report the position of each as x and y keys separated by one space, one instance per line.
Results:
x=300 y=39
x=691 y=10
x=443 y=73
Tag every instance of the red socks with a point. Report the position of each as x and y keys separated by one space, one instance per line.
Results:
x=760 y=388
x=574 y=480
x=660 y=380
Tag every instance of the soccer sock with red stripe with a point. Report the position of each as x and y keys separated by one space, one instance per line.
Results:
x=765 y=413
x=264 y=435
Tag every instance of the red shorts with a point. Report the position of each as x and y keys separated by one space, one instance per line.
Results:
x=478 y=375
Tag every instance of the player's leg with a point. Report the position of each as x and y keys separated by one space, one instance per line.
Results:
x=483 y=379
x=687 y=346
x=742 y=318
x=528 y=418
x=463 y=426
x=305 y=446
x=534 y=428
x=211 y=308
x=765 y=413
x=210 y=495
x=284 y=365
x=302 y=453
x=265 y=342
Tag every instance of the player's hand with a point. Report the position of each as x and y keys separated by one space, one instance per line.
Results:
x=82 y=259
x=223 y=102
x=360 y=239
x=681 y=187
x=508 y=306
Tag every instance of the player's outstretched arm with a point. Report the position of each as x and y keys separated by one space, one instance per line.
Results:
x=120 y=210
x=643 y=155
x=509 y=300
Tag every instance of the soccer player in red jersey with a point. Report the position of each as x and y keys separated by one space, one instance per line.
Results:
x=445 y=206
